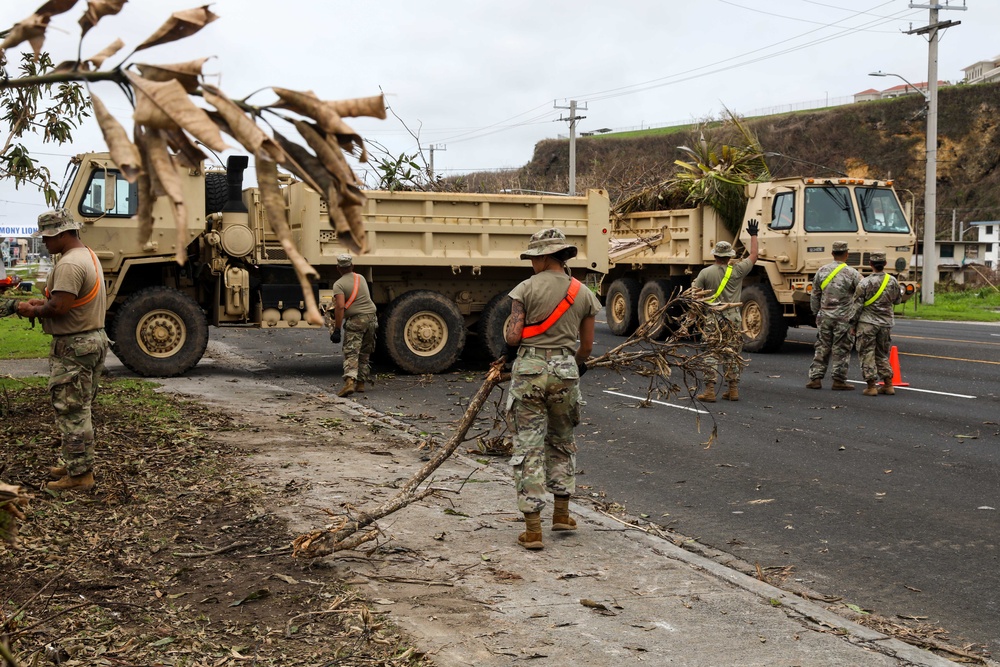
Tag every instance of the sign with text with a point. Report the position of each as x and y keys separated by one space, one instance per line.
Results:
x=17 y=231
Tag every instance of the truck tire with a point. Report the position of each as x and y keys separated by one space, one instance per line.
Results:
x=216 y=191
x=492 y=325
x=622 y=306
x=424 y=332
x=160 y=332
x=654 y=295
x=763 y=319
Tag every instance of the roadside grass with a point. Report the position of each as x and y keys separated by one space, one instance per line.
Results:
x=976 y=305
x=19 y=341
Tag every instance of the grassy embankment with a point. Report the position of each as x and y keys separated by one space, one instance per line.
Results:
x=975 y=305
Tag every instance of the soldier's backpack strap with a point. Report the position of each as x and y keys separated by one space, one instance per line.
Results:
x=722 y=285
x=533 y=330
x=826 y=281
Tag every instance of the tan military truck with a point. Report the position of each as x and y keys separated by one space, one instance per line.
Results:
x=654 y=253
x=440 y=264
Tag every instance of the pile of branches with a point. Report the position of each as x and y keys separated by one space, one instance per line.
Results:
x=168 y=126
x=670 y=354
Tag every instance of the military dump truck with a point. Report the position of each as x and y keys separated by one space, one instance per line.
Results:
x=439 y=268
x=654 y=253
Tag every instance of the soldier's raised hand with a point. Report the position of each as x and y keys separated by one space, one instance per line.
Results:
x=753 y=227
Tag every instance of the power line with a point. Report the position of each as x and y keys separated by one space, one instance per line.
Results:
x=792 y=18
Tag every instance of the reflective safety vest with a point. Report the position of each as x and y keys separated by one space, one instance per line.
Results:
x=532 y=330
x=722 y=285
x=881 y=288
x=826 y=281
x=92 y=294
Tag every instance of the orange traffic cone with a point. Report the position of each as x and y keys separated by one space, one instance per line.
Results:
x=897 y=377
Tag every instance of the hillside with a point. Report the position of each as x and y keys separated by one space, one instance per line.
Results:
x=881 y=139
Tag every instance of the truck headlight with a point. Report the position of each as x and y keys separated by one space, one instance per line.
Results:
x=900 y=264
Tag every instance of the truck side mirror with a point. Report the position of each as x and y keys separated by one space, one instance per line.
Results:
x=110 y=188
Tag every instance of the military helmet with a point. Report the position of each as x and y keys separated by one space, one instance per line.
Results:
x=55 y=222
x=547 y=242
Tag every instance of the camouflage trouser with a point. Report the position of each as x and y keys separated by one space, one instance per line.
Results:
x=725 y=340
x=543 y=408
x=76 y=362
x=359 y=343
x=874 y=344
x=833 y=348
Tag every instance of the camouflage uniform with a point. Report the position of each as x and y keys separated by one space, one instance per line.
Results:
x=544 y=398
x=833 y=307
x=727 y=323
x=874 y=323
x=359 y=344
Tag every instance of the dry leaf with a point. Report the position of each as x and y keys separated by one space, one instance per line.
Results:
x=325 y=115
x=180 y=25
x=187 y=74
x=111 y=49
x=360 y=106
x=188 y=155
x=144 y=213
x=165 y=104
x=98 y=9
x=274 y=208
x=123 y=151
x=166 y=173
x=30 y=30
x=53 y=7
x=241 y=126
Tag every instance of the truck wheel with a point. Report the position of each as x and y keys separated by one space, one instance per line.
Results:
x=216 y=192
x=160 y=332
x=492 y=325
x=622 y=306
x=424 y=332
x=764 y=324
x=654 y=295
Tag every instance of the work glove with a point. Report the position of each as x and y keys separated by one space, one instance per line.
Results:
x=752 y=227
x=582 y=367
x=335 y=336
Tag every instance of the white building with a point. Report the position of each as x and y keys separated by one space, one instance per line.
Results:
x=989 y=234
x=985 y=71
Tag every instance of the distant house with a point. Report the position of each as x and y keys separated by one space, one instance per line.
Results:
x=867 y=95
x=896 y=91
x=985 y=71
x=989 y=234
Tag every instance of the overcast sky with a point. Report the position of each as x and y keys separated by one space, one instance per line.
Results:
x=482 y=80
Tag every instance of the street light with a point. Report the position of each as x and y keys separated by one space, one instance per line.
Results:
x=930 y=184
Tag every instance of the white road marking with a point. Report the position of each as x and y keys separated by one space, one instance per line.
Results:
x=922 y=391
x=669 y=405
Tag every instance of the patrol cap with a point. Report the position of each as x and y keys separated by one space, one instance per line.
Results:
x=877 y=257
x=839 y=246
x=345 y=261
x=724 y=249
x=546 y=242
x=54 y=222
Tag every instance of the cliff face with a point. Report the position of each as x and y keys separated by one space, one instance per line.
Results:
x=882 y=139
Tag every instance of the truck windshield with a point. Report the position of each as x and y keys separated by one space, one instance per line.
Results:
x=71 y=170
x=829 y=210
x=126 y=196
x=880 y=211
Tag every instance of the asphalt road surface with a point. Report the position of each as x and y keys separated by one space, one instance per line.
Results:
x=890 y=502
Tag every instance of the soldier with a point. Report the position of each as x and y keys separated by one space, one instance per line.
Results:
x=355 y=310
x=873 y=320
x=725 y=281
x=544 y=398
x=832 y=303
x=73 y=313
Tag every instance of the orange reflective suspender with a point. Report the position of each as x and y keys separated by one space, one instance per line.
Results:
x=354 y=293
x=533 y=330
x=92 y=294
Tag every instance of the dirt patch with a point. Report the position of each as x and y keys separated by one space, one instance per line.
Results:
x=175 y=558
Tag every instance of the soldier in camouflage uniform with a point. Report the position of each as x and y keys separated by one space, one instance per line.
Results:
x=354 y=308
x=832 y=303
x=724 y=280
x=73 y=313
x=873 y=301
x=544 y=397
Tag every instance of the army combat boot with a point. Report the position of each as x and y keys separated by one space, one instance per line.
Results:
x=531 y=538
x=84 y=482
x=359 y=387
x=707 y=396
x=348 y=388
x=870 y=390
x=561 y=520
x=732 y=392
x=887 y=388
x=840 y=385
x=58 y=472
x=815 y=383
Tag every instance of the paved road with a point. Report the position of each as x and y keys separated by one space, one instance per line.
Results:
x=887 y=502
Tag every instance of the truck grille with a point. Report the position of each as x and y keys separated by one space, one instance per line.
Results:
x=857 y=259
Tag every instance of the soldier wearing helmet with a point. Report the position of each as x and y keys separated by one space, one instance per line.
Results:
x=874 y=299
x=551 y=332
x=724 y=281
x=73 y=314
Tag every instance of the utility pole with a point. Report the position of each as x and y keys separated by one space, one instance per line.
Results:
x=430 y=164
x=932 y=29
x=572 y=140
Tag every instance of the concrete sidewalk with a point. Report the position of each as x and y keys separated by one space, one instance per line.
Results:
x=449 y=572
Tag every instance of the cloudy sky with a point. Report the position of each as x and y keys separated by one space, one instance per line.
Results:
x=483 y=81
